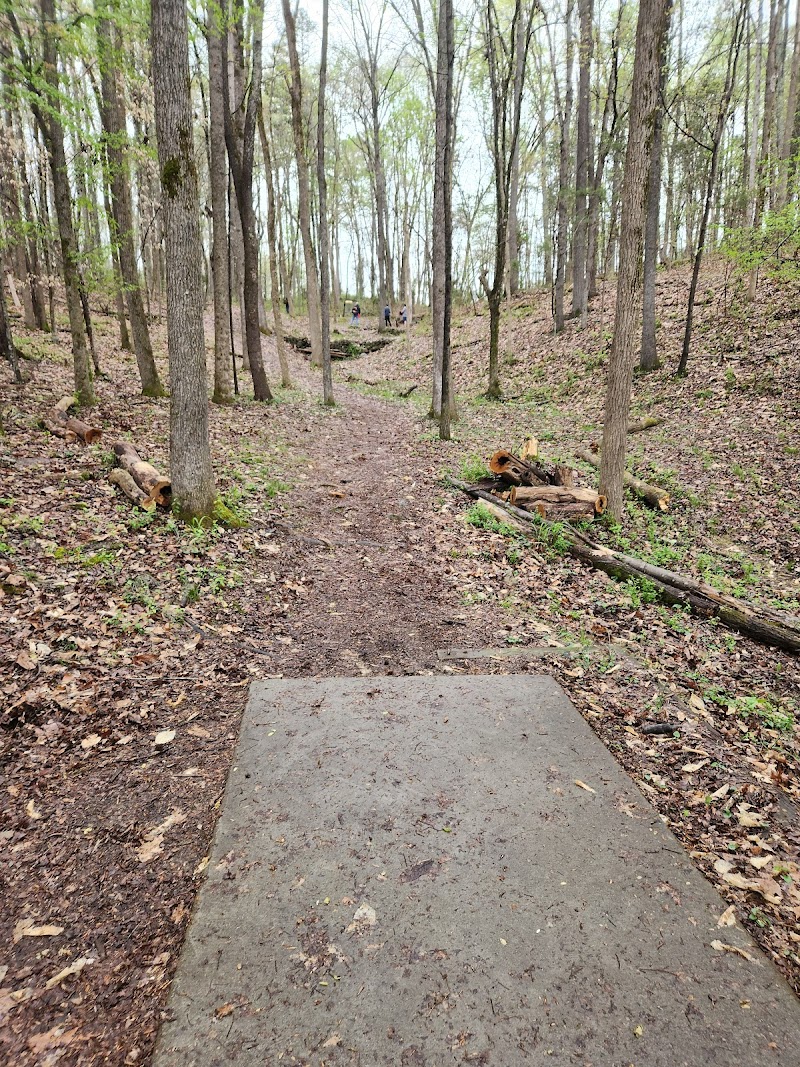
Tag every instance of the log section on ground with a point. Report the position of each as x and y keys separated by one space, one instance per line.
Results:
x=516 y=471
x=652 y=494
x=125 y=482
x=143 y=473
x=341 y=348
x=70 y=427
x=762 y=624
x=530 y=497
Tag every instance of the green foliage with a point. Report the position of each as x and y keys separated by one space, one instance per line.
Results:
x=473 y=468
x=480 y=516
x=772 y=248
x=641 y=591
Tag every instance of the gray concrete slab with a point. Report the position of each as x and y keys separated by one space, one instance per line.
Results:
x=408 y=871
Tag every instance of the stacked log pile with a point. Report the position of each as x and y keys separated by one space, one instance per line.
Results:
x=546 y=489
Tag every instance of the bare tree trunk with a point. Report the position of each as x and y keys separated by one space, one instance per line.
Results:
x=7 y=349
x=53 y=134
x=722 y=117
x=580 y=289
x=650 y=30
x=240 y=156
x=444 y=100
x=648 y=356
x=787 y=131
x=770 y=89
x=564 y=112
x=218 y=182
x=324 y=279
x=275 y=293
x=303 y=188
x=192 y=476
x=121 y=220
x=513 y=189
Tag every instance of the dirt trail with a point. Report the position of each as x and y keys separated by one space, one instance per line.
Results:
x=375 y=597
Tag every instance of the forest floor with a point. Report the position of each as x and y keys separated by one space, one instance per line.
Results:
x=128 y=641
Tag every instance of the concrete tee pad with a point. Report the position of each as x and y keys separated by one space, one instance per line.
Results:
x=413 y=872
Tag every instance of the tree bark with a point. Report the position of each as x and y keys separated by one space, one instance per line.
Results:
x=190 y=455
x=303 y=187
x=48 y=117
x=651 y=27
x=275 y=293
x=444 y=97
x=648 y=354
x=218 y=182
x=580 y=289
x=241 y=152
x=7 y=349
x=324 y=277
x=121 y=223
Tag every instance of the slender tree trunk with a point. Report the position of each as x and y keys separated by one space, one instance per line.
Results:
x=580 y=290
x=648 y=356
x=218 y=181
x=240 y=156
x=303 y=188
x=192 y=475
x=444 y=99
x=275 y=292
x=790 y=118
x=722 y=117
x=562 y=215
x=324 y=278
x=121 y=220
x=7 y=349
x=651 y=27
x=513 y=190
x=53 y=134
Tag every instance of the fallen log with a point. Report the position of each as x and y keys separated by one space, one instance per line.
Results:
x=564 y=512
x=646 y=422
x=58 y=429
x=652 y=494
x=78 y=428
x=516 y=471
x=143 y=473
x=525 y=496
x=125 y=482
x=761 y=624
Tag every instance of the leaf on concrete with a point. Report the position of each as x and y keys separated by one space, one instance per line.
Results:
x=728 y=917
x=720 y=946
x=583 y=785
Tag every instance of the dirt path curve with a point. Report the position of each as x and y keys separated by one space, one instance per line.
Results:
x=375 y=596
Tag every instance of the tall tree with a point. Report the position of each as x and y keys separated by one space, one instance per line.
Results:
x=650 y=29
x=506 y=116
x=303 y=186
x=115 y=143
x=218 y=182
x=443 y=178
x=713 y=167
x=324 y=239
x=192 y=474
x=241 y=152
x=580 y=239
x=45 y=97
x=564 y=117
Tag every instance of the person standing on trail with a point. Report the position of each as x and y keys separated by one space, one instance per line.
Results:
x=356 y=315
x=387 y=316
x=403 y=315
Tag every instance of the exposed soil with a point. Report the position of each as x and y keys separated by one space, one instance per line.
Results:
x=357 y=559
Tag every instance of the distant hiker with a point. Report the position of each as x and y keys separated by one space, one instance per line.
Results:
x=356 y=315
x=403 y=316
x=387 y=316
x=286 y=304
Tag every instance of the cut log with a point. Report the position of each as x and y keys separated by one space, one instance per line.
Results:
x=516 y=471
x=530 y=450
x=81 y=430
x=530 y=497
x=143 y=473
x=652 y=494
x=564 y=512
x=125 y=482
x=761 y=624
x=58 y=429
